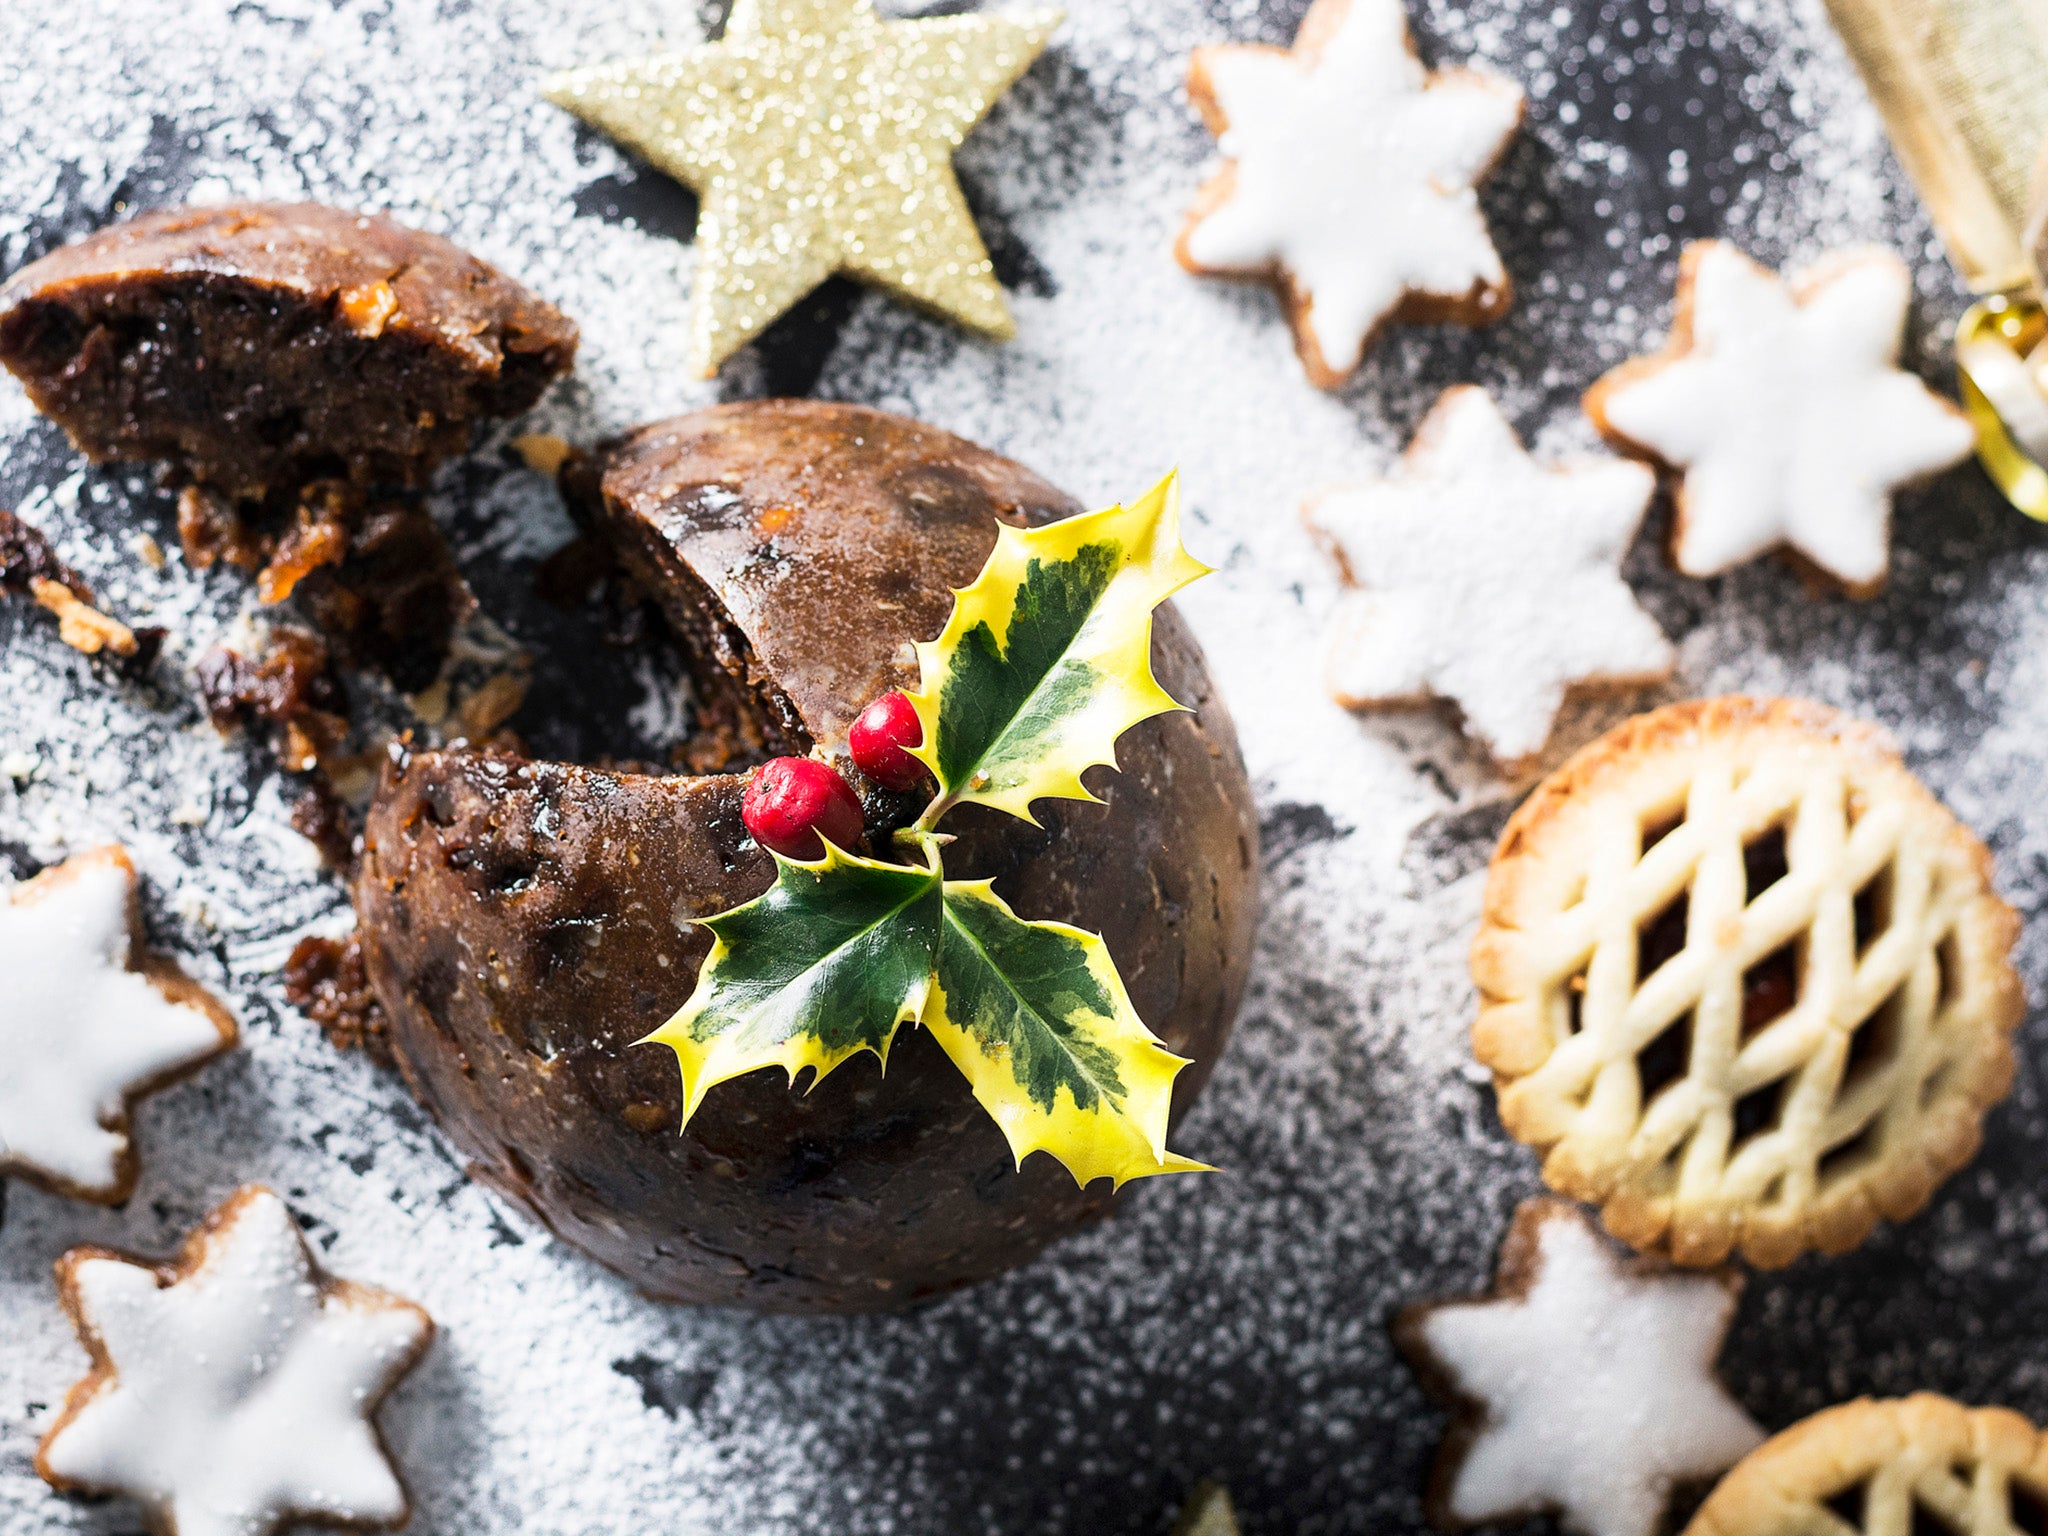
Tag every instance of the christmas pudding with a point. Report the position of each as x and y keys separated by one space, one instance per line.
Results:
x=527 y=926
x=300 y=370
x=263 y=346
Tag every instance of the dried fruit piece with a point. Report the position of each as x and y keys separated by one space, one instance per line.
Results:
x=292 y=687
x=326 y=980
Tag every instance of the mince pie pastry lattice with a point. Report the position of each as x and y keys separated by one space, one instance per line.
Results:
x=1913 y=1466
x=1744 y=981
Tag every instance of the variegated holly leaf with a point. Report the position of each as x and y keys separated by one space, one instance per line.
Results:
x=1036 y=1017
x=829 y=961
x=1047 y=657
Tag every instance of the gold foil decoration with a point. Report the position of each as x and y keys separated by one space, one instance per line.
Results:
x=819 y=139
x=1999 y=361
x=1208 y=1512
x=1963 y=88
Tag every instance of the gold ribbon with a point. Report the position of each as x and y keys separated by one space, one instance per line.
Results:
x=1998 y=361
x=1963 y=89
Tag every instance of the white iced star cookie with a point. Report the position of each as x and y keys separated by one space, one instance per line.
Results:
x=88 y=1023
x=231 y=1390
x=1784 y=411
x=1350 y=180
x=1583 y=1386
x=1477 y=575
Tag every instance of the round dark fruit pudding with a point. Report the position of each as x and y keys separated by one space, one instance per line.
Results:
x=525 y=924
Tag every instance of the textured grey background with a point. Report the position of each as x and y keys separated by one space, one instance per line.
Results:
x=1231 y=1326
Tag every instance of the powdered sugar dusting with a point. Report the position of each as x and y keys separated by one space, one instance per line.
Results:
x=1229 y=1326
x=1597 y=1383
x=1353 y=175
x=1785 y=413
x=1476 y=575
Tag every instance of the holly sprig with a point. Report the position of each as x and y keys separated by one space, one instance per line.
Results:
x=1044 y=662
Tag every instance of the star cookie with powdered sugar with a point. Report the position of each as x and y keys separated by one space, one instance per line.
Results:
x=1584 y=1386
x=1783 y=410
x=1475 y=574
x=1350 y=180
x=88 y=1023
x=231 y=1390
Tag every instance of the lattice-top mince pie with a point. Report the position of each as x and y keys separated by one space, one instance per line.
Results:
x=1899 y=1467
x=1744 y=981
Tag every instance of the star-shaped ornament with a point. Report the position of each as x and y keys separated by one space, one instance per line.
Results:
x=1784 y=410
x=1583 y=1386
x=1350 y=180
x=231 y=1390
x=819 y=139
x=88 y=1023
x=1477 y=575
x=1208 y=1512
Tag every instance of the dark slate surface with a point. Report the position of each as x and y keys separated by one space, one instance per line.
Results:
x=1232 y=1327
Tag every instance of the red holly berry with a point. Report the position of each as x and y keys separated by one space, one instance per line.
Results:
x=881 y=739
x=791 y=802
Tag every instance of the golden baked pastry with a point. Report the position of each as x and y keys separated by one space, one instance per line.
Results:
x=1744 y=981
x=1888 y=1468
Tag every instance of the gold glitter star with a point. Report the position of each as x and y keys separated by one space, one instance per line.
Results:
x=819 y=139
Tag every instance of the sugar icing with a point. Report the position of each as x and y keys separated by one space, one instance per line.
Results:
x=239 y=1397
x=79 y=1030
x=1354 y=173
x=1481 y=576
x=1788 y=413
x=1598 y=1385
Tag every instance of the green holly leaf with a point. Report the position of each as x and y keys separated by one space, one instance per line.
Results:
x=1037 y=1019
x=1047 y=657
x=828 y=962
x=1044 y=663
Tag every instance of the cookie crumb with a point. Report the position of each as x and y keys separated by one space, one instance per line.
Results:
x=493 y=703
x=544 y=453
x=80 y=625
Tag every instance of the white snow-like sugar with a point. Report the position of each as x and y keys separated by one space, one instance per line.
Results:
x=1231 y=1325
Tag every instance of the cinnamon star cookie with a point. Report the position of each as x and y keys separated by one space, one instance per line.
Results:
x=1477 y=575
x=1350 y=180
x=1744 y=981
x=1584 y=1385
x=1784 y=412
x=1888 y=1468
x=231 y=1390
x=88 y=1024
